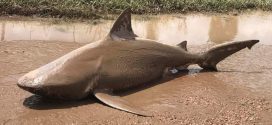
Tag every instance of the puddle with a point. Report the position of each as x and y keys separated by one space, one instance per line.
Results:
x=169 y=29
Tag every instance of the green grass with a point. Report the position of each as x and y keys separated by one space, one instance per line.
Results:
x=94 y=8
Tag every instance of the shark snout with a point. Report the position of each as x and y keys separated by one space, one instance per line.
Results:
x=28 y=84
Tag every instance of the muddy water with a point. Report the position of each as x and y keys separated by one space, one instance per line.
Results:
x=168 y=29
x=240 y=93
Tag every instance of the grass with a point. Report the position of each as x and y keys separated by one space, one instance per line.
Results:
x=94 y=8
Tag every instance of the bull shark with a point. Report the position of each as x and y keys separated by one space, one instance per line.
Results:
x=120 y=61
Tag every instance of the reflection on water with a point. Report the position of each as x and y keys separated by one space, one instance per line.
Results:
x=168 y=29
x=38 y=31
x=3 y=31
x=223 y=29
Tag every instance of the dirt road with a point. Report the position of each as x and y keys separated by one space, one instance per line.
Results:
x=240 y=93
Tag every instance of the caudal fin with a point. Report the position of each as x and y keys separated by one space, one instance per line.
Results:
x=220 y=52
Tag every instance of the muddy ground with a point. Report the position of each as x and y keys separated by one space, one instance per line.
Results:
x=240 y=93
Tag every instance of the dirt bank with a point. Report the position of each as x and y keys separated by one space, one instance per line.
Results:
x=93 y=9
x=239 y=94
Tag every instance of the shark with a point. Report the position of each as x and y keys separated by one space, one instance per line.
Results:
x=117 y=62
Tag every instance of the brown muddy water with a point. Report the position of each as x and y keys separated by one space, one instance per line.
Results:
x=240 y=93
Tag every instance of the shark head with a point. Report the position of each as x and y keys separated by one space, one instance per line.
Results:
x=70 y=77
x=50 y=86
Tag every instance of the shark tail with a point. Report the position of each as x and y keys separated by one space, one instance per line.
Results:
x=213 y=56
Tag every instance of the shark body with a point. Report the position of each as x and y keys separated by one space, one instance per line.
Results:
x=119 y=61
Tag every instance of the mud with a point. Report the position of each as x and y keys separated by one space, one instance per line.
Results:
x=240 y=93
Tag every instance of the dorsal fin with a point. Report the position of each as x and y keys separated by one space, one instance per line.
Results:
x=122 y=29
x=183 y=45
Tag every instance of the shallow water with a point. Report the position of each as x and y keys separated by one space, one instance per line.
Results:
x=169 y=29
x=239 y=94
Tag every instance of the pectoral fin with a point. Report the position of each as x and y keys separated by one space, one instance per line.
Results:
x=108 y=98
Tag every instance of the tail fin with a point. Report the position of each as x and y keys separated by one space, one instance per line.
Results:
x=220 y=52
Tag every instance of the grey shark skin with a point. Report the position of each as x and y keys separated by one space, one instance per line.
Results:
x=119 y=61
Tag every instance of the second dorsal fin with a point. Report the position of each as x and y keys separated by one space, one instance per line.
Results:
x=183 y=45
x=122 y=29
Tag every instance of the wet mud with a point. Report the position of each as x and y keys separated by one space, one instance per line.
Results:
x=240 y=93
